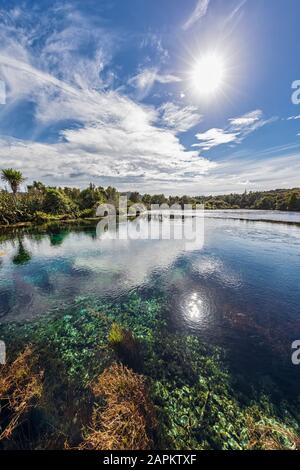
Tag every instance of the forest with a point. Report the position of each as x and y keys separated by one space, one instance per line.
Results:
x=41 y=203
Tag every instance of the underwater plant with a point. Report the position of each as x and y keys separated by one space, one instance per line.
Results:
x=128 y=419
x=172 y=391
x=268 y=433
x=125 y=345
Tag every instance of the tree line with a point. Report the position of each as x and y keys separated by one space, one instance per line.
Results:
x=41 y=203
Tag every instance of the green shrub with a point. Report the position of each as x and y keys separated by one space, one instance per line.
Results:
x=56 y=202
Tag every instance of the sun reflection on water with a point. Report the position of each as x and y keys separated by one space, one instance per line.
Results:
x=196 y=309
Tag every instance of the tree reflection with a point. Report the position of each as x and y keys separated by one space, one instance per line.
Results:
x=23 y=256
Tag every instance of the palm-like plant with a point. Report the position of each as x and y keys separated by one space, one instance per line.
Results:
x=13 y=177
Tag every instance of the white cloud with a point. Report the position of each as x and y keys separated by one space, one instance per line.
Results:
x=246 y=120
x=110 y=137
x=214 y=137
x=117 y=138
x=235 y=132
x=199 y=11
x=145 y=80
x=178 y=118
x=266 y=170
x=236 y=14
x=154 y=42
x=293 y=118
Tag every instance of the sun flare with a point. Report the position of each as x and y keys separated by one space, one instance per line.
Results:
x=208 y=74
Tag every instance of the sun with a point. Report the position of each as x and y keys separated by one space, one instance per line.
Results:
x=208 y=74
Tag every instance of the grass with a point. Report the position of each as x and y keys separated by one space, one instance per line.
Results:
x=127 y=419
x=21 y=387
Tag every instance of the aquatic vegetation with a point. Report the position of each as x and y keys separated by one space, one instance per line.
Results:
x=268 y=433
x=139 y=315
x=125 y=345
x=21 y=387
x=197 y=408
x=118 y=335
x=197 y=403
x=77 y=341
x=127 y=419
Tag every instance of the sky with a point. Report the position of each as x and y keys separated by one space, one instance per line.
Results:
x=181 y=97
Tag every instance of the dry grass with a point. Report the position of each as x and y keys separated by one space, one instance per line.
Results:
x=128 y=417
x=270 y=435
x=20 y=388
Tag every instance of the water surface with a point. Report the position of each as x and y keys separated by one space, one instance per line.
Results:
x=240 y=290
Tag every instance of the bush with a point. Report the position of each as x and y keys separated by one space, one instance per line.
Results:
x=294 y=202
x=87 y=213
x=20 y=208
x=41 y=217
x=56 y=202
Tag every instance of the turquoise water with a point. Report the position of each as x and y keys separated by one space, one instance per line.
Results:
x=239 y=291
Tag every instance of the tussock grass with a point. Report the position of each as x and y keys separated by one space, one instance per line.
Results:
x=21 y=387
x=126 y=420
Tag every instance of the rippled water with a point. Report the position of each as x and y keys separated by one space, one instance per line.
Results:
x=240 y=290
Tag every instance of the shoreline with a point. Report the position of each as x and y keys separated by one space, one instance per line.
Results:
x=97 y=219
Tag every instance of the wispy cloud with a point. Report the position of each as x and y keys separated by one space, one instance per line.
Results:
x=102 y=134
x=236 y=13
x=153 y=43
x=179 y=118
x=199 y=11
x=214 y=137
x=235 y=132
x=293 y=118
x=60 y=67
x=247 y=120
x=145 y=80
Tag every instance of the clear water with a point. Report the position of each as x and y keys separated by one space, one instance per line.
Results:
x=240 y=291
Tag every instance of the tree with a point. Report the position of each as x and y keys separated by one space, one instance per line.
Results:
x=146 y=199
x=36 y=186
x=13 y=177
x=293 y=202
x=111 y=194
x=265 y=203
x=158 y=199
x=56 y=202
x=90 y=197
x=135 y=197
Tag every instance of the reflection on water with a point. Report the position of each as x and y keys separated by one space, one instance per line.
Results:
x=246 y=214
x=241 y=289
x=195 y=309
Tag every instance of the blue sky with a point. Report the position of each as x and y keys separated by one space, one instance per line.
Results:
x=105 y=91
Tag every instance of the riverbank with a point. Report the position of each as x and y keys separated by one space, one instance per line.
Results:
x=50 y=222
x=278 y=217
